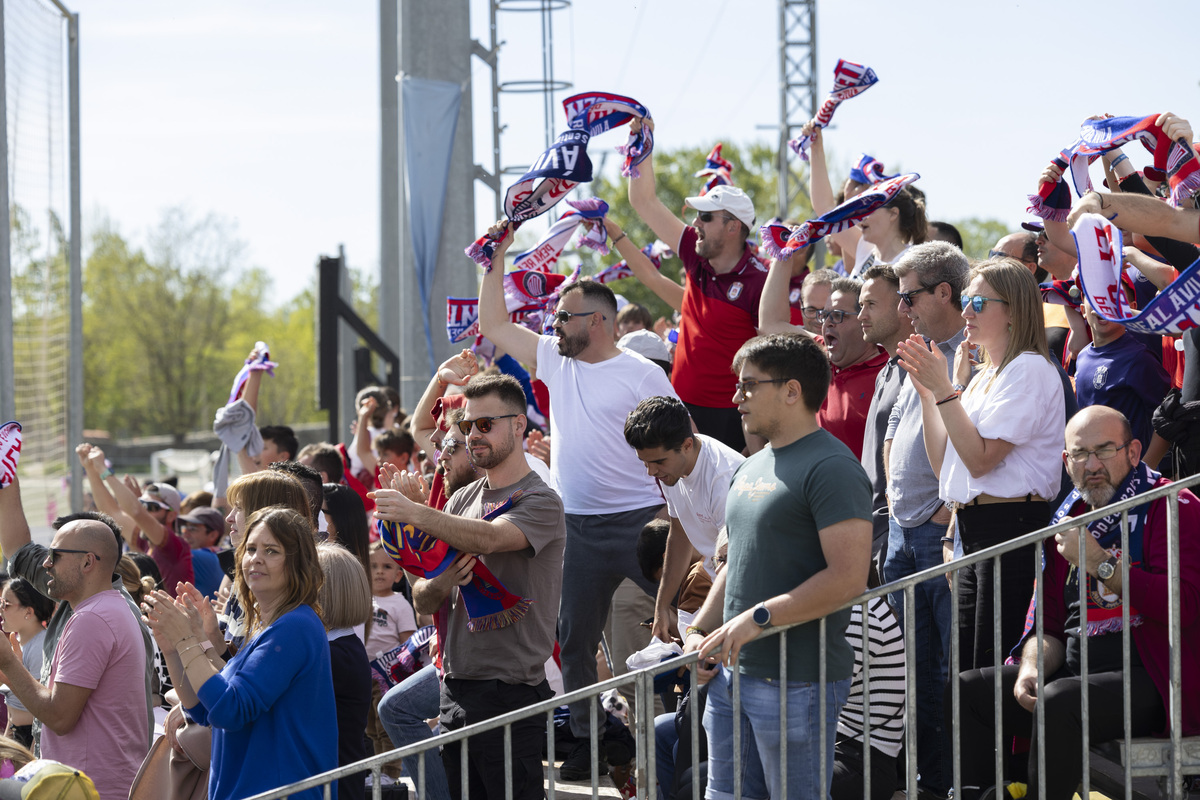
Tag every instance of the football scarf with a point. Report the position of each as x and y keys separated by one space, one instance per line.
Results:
x=782 y=243
x=395 y=665
x=717 y=169
x=488 y=604
x=1172 y=311
x=261 y=362
x=655 y=252
x=868 y=171
x=565 y=164
x=849 y=80
x=10 y=452
x=545 y=253
x=1103 y=610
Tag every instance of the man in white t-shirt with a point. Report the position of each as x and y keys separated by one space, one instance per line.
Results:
x=694 y=472
x=607 y=495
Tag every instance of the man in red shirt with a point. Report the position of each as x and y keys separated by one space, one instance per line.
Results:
x=720 y=301
x=855 y=363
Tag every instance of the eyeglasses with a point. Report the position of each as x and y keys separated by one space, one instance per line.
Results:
x=55 y=552
x=811 y=311
x=707 y=216
x=907 y=297
x=979 y=302
x=746 y=387
x=449 y=445
x=1002 y=254
x=150 y=505
x=1102 y=453
x=484 y=424
x=836 y=316
x=563 y=317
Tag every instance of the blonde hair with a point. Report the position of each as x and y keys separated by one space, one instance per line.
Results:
x=1014 y=283
x=292 y=530
x=346 y=592
x=11 y=750
x=135 y=583
x=259 y=490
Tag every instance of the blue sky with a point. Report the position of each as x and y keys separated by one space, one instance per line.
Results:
x=267 y=112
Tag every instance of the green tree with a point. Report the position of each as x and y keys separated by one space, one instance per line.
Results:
x=980 y=234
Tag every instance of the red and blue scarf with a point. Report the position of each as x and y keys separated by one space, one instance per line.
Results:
x=849 y=80
x=718 y=170
x=656 y=252
x=10 y=451
x=868 y=171
x=260 y=362
x=781 y=242
x=565 y=164
x=488 y=604
x=544 y=255
x=1172 y=311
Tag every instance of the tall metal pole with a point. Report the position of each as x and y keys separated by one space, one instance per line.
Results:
x=75 y=379
x=389 y=173
x=8 y=408
x=797 y=88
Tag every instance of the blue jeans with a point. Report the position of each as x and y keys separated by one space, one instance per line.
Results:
x=911 y=550
x=403 y=711
x=666 y=742
x=760 y=743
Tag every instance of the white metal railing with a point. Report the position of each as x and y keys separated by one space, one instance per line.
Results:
x=642 y=683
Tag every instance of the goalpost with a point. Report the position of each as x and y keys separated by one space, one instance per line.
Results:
x=41 y=334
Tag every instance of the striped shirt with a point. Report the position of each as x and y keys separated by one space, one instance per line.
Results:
x=887 y=679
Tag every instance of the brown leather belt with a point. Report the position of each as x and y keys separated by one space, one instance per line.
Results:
x=987 y=500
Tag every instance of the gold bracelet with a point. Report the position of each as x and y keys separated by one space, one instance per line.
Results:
x=189 y=647
x=188 y=665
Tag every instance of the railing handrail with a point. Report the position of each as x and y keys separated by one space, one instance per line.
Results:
x=595 y=690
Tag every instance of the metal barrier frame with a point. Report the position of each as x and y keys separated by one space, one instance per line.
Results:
x=642 y=681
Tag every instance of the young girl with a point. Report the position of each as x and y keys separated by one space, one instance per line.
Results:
x=392 y=623
x=24 y=611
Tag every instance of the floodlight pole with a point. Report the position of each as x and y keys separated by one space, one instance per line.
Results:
x=75 y=362
x=8 y=400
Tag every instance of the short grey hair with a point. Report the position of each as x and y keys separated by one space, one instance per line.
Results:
x=934 y=263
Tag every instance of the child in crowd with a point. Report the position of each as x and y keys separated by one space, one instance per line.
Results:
x=392 y=622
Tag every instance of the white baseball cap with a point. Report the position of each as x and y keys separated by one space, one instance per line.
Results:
x=725 y=198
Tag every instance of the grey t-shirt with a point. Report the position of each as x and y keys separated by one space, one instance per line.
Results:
x=27 y=563
x=516 y=653
x=914 y=487
x=887 y=389
x=779 y=502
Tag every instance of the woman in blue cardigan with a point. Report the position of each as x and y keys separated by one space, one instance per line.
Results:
x=272 y=706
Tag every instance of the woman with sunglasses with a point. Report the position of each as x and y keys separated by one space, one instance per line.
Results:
x=24 y=612
x=996 y=445
x=271 y=707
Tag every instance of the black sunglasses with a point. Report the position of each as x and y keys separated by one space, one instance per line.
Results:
x=707 y=216
x=907 y=297
x=55 y=552
x=150 y=505
x=484 y=424
x=563 y=317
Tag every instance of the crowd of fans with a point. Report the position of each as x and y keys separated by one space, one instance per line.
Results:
x=794 y=434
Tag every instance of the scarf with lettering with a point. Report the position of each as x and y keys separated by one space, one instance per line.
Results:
x=1104 y=610
x=488 y=604
x=849 y=80
x=781 y=242
x=1177 y=158
x=718 y=170
x=395 y=665
x=656 y=252
x=597 y=112
x=544 y=255
x=10 y=451
x=259 y=362
x=1173 y=310
x=868 y=171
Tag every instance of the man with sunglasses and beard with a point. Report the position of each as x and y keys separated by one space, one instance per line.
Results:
x=720 y=300
x=608 y=496
x=512 y=522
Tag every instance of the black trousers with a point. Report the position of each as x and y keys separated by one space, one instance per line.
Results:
x=981 y=527
x=848 y=772
x=467 y=702
x=1064 y=722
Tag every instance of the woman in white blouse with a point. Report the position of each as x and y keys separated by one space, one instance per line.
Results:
x=995 y=445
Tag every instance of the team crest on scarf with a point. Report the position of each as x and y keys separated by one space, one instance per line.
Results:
x=1172 y=311
x=781 y=242
x=849 y=80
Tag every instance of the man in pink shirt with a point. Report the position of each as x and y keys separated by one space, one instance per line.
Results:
x=98 y=670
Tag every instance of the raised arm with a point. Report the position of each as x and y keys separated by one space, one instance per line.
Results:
x=824 y=199
x=643 y=196
x=1142 y=214
x=128 y=501
x=95 y=469
x=643 y=269
x=774 y=312
x=361 y=443
x=494 y=321
x=456 y=370
x=14 y=528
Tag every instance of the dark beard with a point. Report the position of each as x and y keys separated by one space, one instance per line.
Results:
x=571 y=346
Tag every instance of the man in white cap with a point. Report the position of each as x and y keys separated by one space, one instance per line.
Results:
x=720 y=301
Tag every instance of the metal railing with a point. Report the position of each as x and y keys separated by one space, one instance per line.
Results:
x=642 y=682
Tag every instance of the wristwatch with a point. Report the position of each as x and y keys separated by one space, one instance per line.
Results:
x=1107 y=568
x=761 y=616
